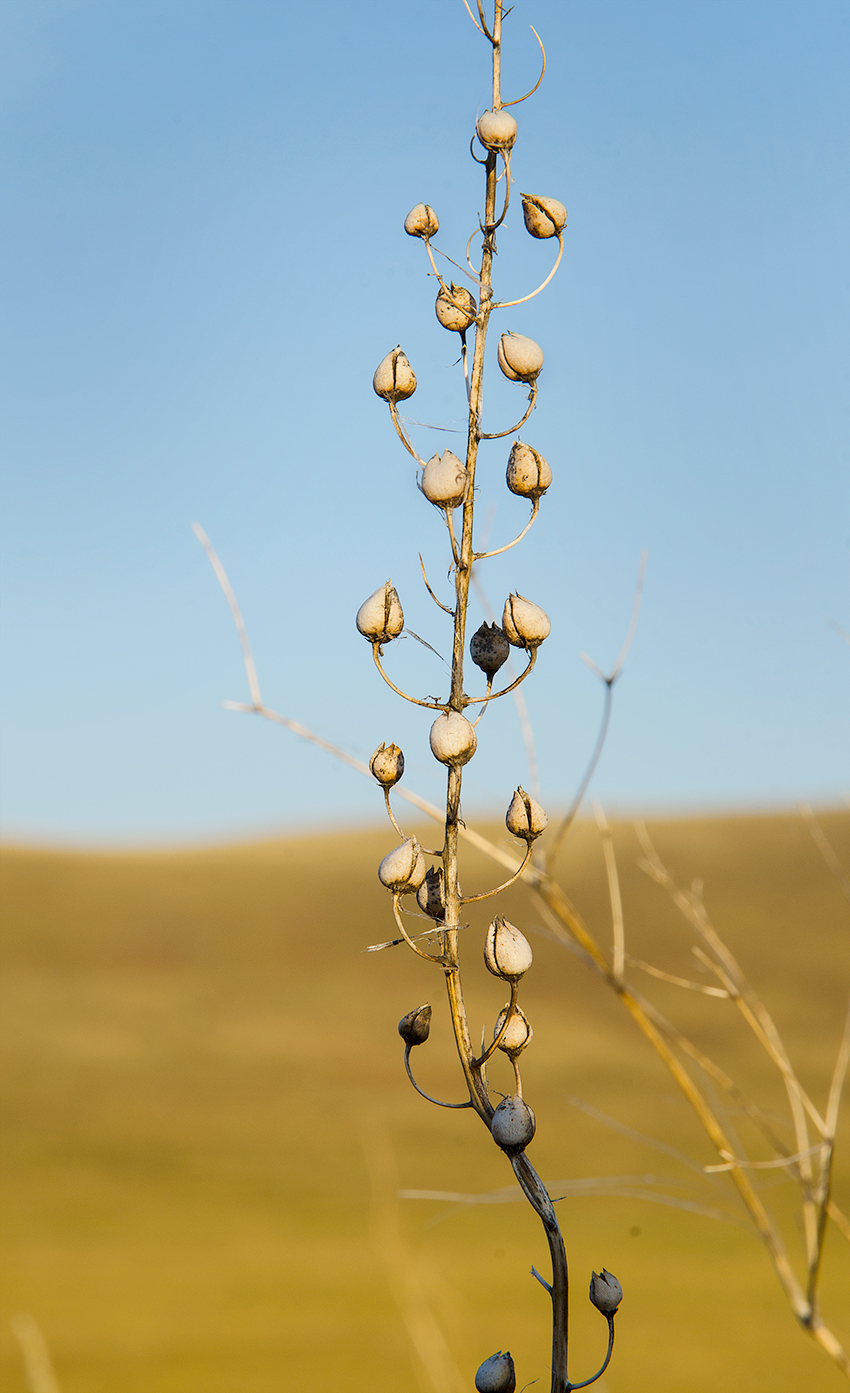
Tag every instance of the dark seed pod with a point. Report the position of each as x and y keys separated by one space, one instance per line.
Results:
x=489 y=648
x=430 y=896
x=605 y=1292
x=415 y=1027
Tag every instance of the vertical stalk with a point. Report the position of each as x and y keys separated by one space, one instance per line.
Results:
x=527 y=1177
x=537 y=1196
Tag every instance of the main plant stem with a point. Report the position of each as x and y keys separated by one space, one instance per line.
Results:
x=531 y=1184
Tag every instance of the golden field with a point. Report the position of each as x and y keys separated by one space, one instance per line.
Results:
x=207 y=1122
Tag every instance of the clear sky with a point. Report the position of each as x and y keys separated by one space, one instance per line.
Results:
x=204 y=260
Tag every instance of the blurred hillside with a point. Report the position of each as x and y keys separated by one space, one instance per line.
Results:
x=207 y=1122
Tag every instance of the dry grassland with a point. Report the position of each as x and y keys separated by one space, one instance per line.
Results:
x=207 y=1123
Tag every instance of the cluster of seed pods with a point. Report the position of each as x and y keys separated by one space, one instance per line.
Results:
x=448 y=483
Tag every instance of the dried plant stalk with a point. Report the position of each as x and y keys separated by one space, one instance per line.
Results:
x=454 y=743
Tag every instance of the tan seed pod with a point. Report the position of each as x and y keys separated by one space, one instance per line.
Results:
x=528 y=473
x=455 y=307
x=444 y=480
x=525 y=818
x=381 y=618
x=422 y=221
x=520 y=358
x=489 y=649
x=387 y=765
x=507 y=952
x=513 y=1124
x=453 y=740
x=403 y=869
x=496 y=130
x=544 y=217
x=496 y=1374
x=394 y=378
x=517 y=1034
x=525 y=624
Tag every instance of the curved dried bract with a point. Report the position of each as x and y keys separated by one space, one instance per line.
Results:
x=517 y=100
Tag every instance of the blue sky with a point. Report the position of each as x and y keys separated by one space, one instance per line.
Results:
x=205 y=260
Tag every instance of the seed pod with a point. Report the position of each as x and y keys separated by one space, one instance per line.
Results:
x=513 y=1124
x=444 y=480
x=525 y=624
x=520 y=358
x=453 y=740
x=496 y=130
x=517 y=1035
x=489 y=649
x=496 y=1375
x=605 y=1292
x=387 y=765
x=525 y=818
x=430 y=896
x=455 y=307
x=422 y=221
x=394 y=378
x=403 y=870
x=544 y=217
x=381 y=618
x=415 y=1027
x=507 y=952
x=528 y=474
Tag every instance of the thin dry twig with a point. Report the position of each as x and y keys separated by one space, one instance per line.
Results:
x=405 y=1280
x=676 y=981
x=778 y=1163
x=825 y=848
x=619 y=950
x=608 y=682
x=37 y=1363
x=221 y=577
x=437 y=602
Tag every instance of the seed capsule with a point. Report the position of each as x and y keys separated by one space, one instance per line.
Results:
x=525 y=624
x=489 y=648
x=453 y=741
x=394 y=378
x=520 y=358
x=528 y=473
x=507 y=952
x=455 y=307
x=444 y=480
x=387 y=765
x=496 y=130
x=415 y=1027
x=544 y=217
x=513 y=1124
x=422 y=221
x=496 y=1375
x=381 y=618
x=605 y=1292
x=403 y=870
x=430 y=896
x=517 y=1034
x=525 y=818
